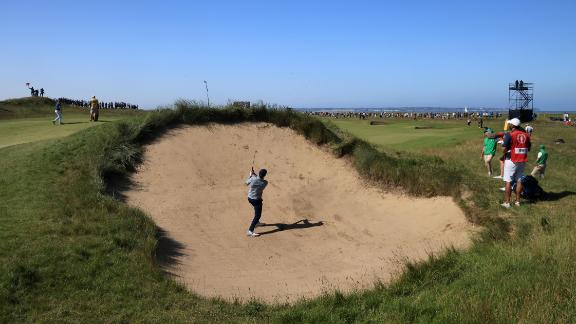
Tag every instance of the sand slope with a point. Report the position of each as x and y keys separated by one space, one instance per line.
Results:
x=191 y=184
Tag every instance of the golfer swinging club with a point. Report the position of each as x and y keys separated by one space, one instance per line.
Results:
x=256 y=185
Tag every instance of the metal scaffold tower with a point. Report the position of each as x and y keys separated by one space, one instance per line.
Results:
x=521 y=101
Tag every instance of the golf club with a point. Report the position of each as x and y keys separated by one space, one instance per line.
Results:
x=254 y=159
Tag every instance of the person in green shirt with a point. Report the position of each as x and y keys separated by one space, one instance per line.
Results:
x=489 y=150
x=540 y=162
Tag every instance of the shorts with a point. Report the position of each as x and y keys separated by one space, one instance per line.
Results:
x=539 y=169
x=513 y=171
x=488 y=157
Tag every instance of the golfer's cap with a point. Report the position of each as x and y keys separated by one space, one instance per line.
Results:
x=542 y=146
x=488 y=130
x=514 y=121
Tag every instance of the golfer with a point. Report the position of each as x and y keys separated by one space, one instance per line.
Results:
x=515 y=148
x=58 y=111
x=256 y=185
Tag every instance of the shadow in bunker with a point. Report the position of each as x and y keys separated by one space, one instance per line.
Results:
x=301 y=224
x=168 y=251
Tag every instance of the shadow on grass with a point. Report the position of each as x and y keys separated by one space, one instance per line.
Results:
x=554 y=196
x=168 y=251
x=74 y=123
x=117 y=184
x=301 y=224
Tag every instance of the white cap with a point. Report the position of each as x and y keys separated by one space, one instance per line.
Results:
x=514 y=121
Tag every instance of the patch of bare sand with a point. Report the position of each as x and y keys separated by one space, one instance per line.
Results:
x=192 y=185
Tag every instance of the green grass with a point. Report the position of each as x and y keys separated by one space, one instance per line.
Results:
x=398 y=134
x=30 y=119
x=18 y=131
x=69 y=252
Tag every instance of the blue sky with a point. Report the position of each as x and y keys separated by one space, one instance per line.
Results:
x=296 y=53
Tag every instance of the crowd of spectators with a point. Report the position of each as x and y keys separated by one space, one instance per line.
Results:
x=103 y=105
x=407 y=115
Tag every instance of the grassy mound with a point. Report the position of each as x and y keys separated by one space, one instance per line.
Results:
x=71 y=252
x=26 y=107
x=29 y=101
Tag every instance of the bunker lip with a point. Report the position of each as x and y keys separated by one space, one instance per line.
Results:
x=324 y=228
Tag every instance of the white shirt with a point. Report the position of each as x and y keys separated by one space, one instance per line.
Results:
x=256 y=186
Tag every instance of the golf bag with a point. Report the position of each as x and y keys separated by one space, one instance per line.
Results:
x=531 y=190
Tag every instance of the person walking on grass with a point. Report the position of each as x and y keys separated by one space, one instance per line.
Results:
x=489 y=150
x=540 y=167
x=58 y=111
x=256 y=185
x=94 y=109
x=499 y=139
x=515 y=148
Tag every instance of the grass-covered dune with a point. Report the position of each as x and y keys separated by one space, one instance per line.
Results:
x=71 y=252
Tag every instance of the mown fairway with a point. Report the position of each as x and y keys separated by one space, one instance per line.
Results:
x=20 y=131
x=31 y=120
x=411 y=135
x=69 y=252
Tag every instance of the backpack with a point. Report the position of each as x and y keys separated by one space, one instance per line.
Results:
x=531 y=190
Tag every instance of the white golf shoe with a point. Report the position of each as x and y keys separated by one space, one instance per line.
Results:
x=252 y=234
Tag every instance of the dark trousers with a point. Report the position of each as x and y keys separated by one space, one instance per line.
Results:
x=257 y=204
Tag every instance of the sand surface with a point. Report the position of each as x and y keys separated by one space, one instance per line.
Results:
x=325 y=227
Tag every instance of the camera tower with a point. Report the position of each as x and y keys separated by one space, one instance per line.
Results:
x=521 y=100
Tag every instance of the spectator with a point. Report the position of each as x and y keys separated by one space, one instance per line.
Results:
x=489 y=150
x=541 y=160
x=515 y=148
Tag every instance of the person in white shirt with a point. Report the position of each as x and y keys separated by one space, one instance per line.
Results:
x=256 y=184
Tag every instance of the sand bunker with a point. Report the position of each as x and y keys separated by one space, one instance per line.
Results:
x=325 y=228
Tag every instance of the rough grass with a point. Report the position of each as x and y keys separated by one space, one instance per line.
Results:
x=69 y=252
